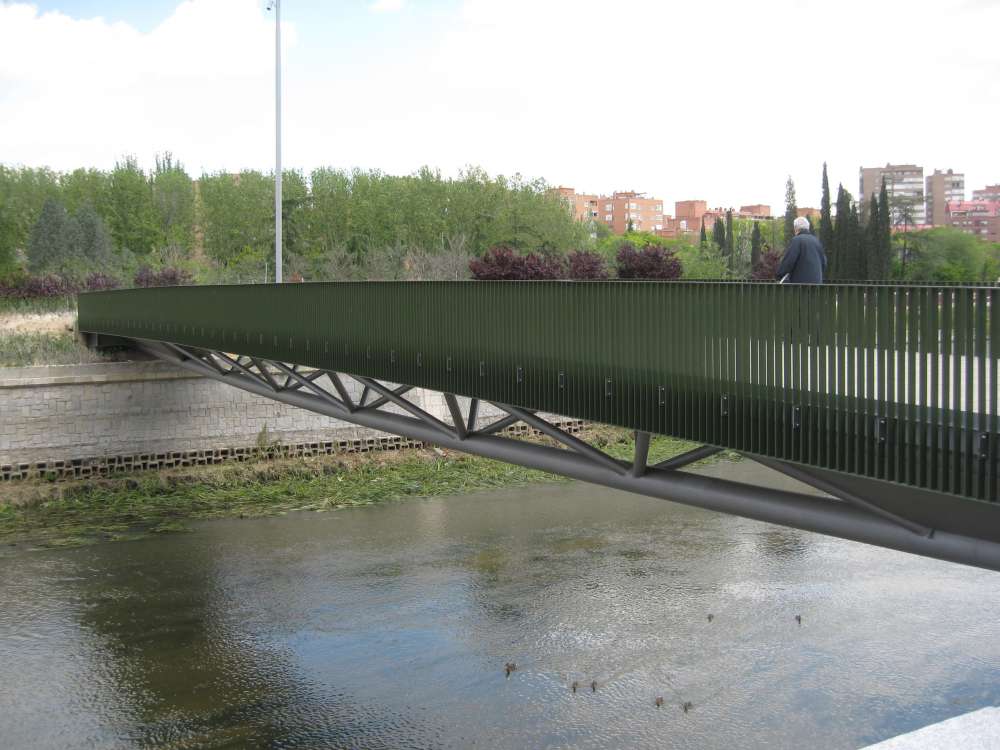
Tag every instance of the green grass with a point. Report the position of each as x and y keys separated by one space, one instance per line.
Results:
x=160 y=502
x=26 y=349
x=37 y=305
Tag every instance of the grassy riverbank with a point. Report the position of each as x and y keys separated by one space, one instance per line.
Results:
x=40 y=332
x=132 y=506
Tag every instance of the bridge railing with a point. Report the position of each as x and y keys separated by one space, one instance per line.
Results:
x=887 y=381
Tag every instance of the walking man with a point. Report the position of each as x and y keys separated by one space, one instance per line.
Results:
x=804 y=260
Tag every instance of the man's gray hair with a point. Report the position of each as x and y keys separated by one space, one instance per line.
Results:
x=801 y=223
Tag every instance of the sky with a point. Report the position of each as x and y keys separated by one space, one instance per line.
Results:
x=719 y=100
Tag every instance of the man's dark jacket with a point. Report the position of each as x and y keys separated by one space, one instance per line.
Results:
x=804 y=260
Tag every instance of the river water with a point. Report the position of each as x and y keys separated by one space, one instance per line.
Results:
x=389 y=627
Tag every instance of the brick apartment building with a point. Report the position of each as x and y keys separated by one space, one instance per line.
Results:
x=977 y=217
x=583 y=206
x=630 y=208
x=988 y=193
x=616 y=210
x=646 y=214
x=755 y=211
x=942 y=188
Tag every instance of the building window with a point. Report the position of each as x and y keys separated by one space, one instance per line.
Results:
x=607 y=217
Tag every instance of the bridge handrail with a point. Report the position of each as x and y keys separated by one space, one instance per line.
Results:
x=890 y=381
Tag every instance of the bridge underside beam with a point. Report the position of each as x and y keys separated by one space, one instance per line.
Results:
x=834 y=517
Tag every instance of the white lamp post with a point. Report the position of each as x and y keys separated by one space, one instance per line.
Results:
x=275 y=5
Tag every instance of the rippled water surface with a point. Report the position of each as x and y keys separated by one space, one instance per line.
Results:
x=389 y=627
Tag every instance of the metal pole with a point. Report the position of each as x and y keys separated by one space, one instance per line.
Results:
x=277 y=142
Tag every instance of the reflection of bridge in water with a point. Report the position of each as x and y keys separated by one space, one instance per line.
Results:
x=884 y=397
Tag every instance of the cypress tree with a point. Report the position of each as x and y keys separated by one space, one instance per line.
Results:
x=872 y=242
x=755 y=244
x=839 y=252
x=791 y=210
x=885 y=230
x=730 y=243
x=825 y=218
x=704 y=235
x=854 y=238
x=719 y=234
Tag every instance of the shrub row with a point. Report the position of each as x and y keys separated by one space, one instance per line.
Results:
x=35 y=287
x=503 y=263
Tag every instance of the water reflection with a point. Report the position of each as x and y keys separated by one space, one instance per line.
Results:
x=391 y=626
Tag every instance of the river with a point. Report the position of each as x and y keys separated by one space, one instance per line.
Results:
x=390 y=626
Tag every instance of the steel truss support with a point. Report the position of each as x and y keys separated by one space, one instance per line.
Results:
x=829 y=488
x=834 y=517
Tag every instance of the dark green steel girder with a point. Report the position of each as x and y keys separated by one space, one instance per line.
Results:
x=896 y=383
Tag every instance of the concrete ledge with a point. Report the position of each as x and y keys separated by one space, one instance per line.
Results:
x=99 y=372
x=978 y=730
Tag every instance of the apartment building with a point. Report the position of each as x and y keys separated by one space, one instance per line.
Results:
x=942 y=188
x=905 y=183
x=583 y=206
x=688 y=215
x=623 y=208
x=619 y=210
x=988 y=193
x=978 y=217
x=755 y=211
x=628 y=209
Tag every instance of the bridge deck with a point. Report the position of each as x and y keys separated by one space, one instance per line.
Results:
x=895 y=383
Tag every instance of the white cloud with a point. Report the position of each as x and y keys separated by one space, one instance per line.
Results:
x=387 y=6
x=83 y=92
x=718 y=100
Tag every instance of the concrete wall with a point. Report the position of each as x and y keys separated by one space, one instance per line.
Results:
x=85 y=419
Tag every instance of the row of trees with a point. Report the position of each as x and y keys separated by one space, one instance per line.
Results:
x=221 y=226
x=365 y=224
x=859 y=242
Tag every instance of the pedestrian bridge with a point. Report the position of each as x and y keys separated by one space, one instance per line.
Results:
x=882 y=396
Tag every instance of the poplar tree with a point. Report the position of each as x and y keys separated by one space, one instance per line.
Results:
x=825 y=219
x=791 y=210
x=132 y=215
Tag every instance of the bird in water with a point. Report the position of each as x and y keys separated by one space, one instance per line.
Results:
x=593 y=686
x=687 y=706
x=798 y=619
x=574 y=686
x=711 y=617
x=658 y=702
x=509 y=667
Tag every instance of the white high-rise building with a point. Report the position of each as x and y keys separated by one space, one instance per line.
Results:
x=905 y=184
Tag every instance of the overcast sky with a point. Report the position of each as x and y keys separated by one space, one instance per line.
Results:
x=714 y=100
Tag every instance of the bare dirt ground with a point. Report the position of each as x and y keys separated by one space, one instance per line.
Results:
x=58 y=322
